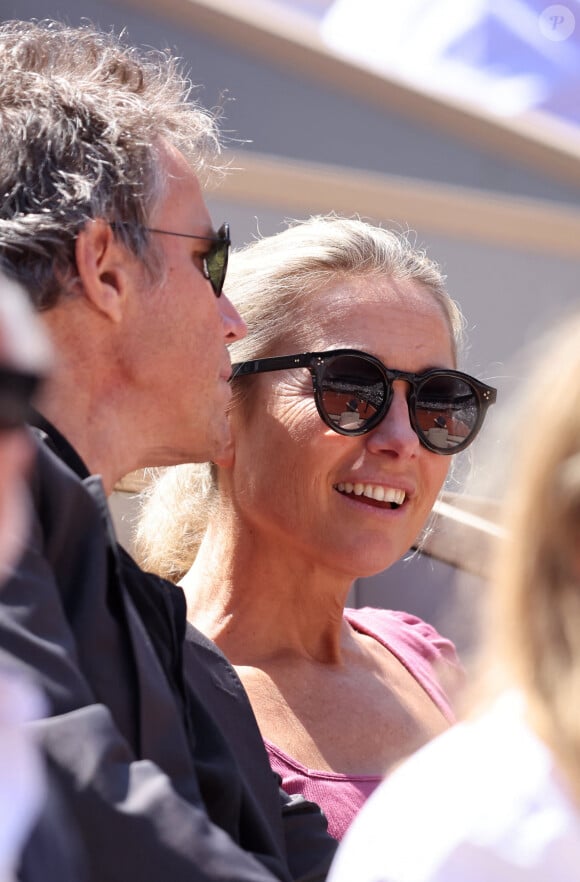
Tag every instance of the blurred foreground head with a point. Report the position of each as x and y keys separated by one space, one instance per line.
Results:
x=536 y=592
x=24 y=361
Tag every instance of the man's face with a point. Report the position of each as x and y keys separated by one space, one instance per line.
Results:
x=179 y=333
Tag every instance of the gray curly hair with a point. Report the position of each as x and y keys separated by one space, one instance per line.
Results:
x=82 y=119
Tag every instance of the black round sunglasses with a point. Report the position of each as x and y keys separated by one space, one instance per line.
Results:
x=353 y=392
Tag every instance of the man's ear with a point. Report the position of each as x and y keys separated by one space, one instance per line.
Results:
x=104 y=268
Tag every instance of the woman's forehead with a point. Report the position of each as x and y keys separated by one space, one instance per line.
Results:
x=368 y=309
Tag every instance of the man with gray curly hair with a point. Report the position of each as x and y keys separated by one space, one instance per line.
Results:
x=103 y=222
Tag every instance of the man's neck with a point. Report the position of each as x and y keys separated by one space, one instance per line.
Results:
x=94 y=433
x=82 y=397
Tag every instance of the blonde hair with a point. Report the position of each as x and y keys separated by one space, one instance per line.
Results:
x=534 y=639
x=272 y=283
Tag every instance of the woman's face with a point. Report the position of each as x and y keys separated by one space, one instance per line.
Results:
x=296 y=483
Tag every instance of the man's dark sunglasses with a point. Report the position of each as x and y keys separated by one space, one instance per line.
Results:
x=17 y=390
x=353 y=392
x=215 y=259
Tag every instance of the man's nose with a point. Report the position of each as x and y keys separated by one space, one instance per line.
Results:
x=234 y=325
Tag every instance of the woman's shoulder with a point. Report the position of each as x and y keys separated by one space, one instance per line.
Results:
x=431 y=658
x=401 y=627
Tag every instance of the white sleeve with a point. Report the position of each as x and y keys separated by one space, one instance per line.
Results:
x=21 y=769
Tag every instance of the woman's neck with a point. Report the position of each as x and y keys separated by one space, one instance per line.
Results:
x=259 y=602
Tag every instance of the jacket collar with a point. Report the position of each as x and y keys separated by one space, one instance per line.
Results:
x=59 y=444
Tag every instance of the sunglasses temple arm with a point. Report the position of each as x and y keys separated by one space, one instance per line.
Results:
x=243 y=368
x=265 y=365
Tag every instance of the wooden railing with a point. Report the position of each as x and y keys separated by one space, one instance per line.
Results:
x=298 y=188
x=465 y=533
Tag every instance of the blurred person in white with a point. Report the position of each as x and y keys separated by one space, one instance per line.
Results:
x=24 y=359
x=497 y=798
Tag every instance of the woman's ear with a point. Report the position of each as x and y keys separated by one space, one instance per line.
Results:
x=104 y=267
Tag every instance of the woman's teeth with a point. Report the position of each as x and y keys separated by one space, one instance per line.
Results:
x=373 y=491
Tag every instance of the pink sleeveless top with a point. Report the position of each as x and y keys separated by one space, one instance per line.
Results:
x=424 y=652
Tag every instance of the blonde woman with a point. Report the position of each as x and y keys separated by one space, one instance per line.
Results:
x=498 y=798
x=347 y=404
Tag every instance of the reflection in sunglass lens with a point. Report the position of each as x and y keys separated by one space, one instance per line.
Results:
x=352 y=391
x=447 y=410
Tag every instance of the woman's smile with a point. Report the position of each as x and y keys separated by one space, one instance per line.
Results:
x=373 y=493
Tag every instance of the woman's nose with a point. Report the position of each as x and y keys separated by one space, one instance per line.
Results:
x=394 y=433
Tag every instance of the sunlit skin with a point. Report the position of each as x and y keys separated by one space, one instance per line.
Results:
x=179 y=331
x=291 y=502
x=272 y=575
x=143 y=369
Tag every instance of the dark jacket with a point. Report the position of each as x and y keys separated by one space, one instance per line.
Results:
x=139 y=749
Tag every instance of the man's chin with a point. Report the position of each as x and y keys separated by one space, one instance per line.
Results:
x=215 y=445
x=223 y=455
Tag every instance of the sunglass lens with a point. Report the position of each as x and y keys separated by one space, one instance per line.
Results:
x=352 y=391
x=216 y=260
x=447 y=411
